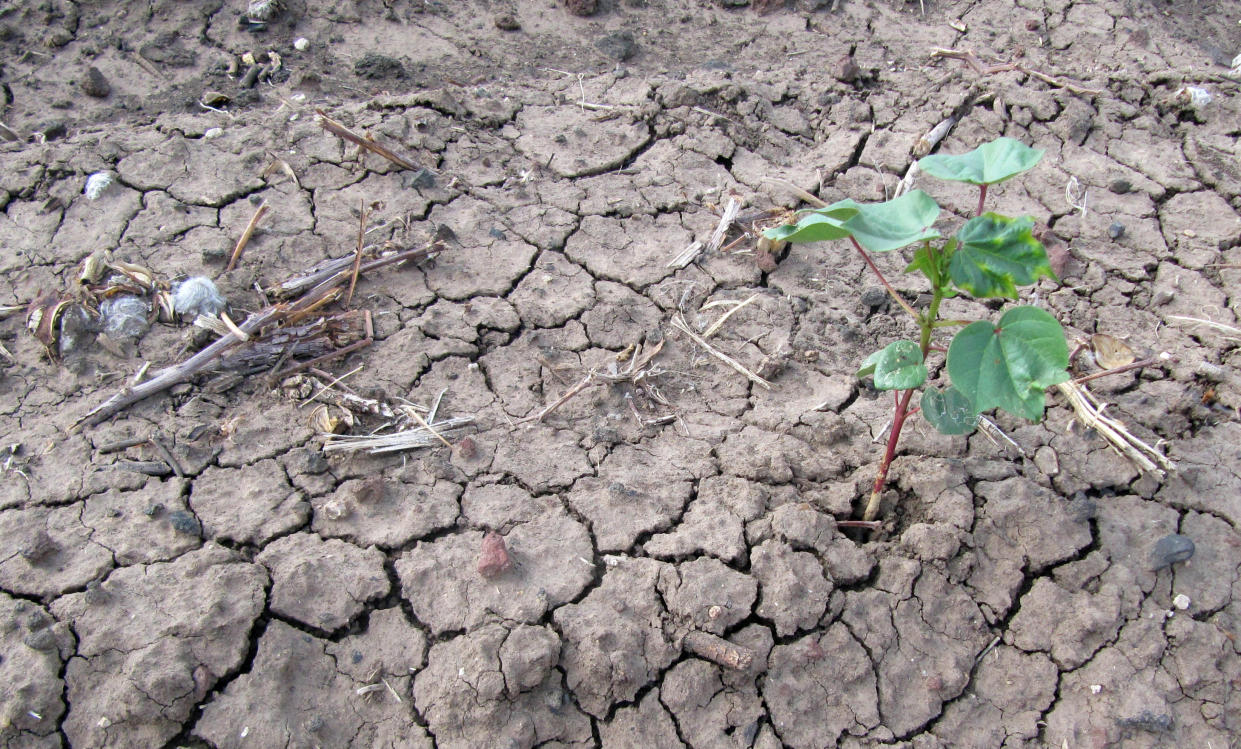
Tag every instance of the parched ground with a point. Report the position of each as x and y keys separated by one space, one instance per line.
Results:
x=275 y=595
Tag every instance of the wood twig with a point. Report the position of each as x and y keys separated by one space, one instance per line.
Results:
x=369 y=144
x=245 y=236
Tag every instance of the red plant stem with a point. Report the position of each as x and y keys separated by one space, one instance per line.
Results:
x=982 y=196
x=882 y=279
x=898 y=422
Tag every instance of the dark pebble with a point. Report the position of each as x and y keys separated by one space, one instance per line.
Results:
x=1116 y=230
x=1120 y=186
x=507 y=22
x=96 y=85
x=184 y=522
x=1171 y=549
x=619 y=45
x=423 y=179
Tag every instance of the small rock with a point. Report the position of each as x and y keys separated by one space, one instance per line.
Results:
x=582 y=7
x=506 y=22
x=301 y=44
x=846 y=70
x=467 y=448
x=1116 y=230
x=212 y=133
x=494 y=557
x=183 y=522
x=1181 y=602
x=214 y=99
x=1171 y=549
x=1033 y=24
x=335 y=509
x=96 y=85
x=618 y=45
x=1120 y=186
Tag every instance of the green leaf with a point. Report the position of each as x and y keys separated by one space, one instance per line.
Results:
x=898 y=366
x=988 y=164
x=949 y=411
x=819 y=225
x=880 y=227
x=996 y=255
x=1008 y=365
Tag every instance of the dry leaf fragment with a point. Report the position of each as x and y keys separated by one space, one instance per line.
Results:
x=1110 y=352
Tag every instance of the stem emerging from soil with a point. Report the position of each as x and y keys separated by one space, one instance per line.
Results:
x=927 y=324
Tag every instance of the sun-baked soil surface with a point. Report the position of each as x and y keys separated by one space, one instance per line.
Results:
x=661 y=530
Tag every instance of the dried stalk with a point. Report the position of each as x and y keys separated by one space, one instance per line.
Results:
x=406 y=439
x=636 y=373
x=1091 y=415
x=679 y=323
x=245 y=237
x=286 y=313
x=340 y=131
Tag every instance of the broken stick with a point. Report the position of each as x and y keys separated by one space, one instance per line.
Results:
x=340 y=131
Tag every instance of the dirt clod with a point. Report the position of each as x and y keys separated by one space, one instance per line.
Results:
x=96 y=84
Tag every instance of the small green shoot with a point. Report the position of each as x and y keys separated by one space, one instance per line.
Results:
x=1006 y=364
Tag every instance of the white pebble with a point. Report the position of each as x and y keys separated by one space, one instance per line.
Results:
x=1096 y=688
x=1181 y=601
x=213 y=133
x=96 y=184
x=301 y=43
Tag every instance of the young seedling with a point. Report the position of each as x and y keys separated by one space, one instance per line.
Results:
x=1008 y=363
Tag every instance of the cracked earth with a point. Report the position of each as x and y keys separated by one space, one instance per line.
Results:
x=678 y=576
